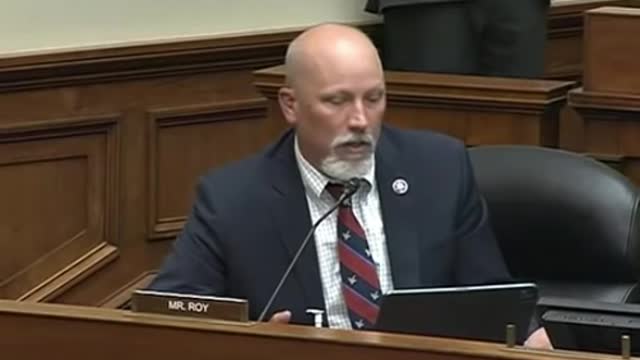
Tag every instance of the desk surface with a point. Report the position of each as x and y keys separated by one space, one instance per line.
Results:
x=37 y=331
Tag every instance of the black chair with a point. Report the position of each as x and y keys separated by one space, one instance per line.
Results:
x=563 y=220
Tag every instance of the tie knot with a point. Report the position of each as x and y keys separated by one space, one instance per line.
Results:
x=335 y=190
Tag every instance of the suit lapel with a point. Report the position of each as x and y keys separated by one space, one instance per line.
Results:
x=400 y=215
x=292 y=220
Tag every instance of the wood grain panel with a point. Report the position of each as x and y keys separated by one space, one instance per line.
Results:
x=187 y=77
x=33 y=331
x=563 y=53
x=564 y=58
x=611 y=127
x=93 y=260
x=55 y=192
x=478 y=110
x=571 y=130
x=612 y=50
x=58 y=187
x=185 y=143
x=121 y=298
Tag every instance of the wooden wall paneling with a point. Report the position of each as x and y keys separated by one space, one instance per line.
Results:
x=616 y=162
x=609 y=102
x=564 y=58
x=611 y=127
x=185 y=143
x=571 y=130
x=627 y=165
x=478 y=110
x=563 y=53
x=59 y=183
x=121 y=298
x=192 y=114
x=565 y=21
x=197 y=88
x=631 y=168
x=612 y=50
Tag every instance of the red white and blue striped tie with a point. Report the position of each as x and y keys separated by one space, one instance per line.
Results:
x=360 y=284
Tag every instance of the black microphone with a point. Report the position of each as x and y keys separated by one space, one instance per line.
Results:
x=350 y=188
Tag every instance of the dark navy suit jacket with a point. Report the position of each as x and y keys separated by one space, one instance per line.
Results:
x=250 y=217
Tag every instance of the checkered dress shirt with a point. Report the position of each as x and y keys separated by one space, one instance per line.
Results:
x=366 y=207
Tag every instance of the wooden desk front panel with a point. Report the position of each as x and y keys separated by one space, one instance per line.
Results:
x=36 y=331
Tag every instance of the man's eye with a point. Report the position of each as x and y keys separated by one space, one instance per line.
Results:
x=374 y=97
x=336 y=100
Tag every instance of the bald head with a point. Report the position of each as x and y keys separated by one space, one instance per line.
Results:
x=334 y=98
x=326 y=48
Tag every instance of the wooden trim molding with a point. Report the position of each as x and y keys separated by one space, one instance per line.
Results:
x=610 y=128
x=92 y=261
x=606 y=105
x=626 y=164
x=147 y=59
x=253 y=109
x=53 y=128
x=468 y=92
x=569 y=14
x=120 y=298
x=459 y=91
x=614 y=161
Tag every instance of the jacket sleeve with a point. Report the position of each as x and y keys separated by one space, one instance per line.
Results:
x=195 y=265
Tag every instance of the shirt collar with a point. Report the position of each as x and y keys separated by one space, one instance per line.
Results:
x=315 y=182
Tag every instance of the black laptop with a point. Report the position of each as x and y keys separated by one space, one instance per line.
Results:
x=466 y=312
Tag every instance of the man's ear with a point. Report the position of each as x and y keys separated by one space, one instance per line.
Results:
x=287 y=100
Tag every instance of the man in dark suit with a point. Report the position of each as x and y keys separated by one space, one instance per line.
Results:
x=480 y=37
x=417 y=221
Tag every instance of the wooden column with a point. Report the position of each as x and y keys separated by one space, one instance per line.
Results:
x=609 y=101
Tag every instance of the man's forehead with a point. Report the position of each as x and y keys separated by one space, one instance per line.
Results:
x=326 y=54
x=353 y=88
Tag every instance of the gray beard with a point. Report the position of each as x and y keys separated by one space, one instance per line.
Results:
x=344 y=170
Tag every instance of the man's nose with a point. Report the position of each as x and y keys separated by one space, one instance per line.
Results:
x=357 y=117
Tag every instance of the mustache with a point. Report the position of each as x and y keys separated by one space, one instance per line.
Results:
x=354 y=139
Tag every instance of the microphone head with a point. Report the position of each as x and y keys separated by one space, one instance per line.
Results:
x=352 y=185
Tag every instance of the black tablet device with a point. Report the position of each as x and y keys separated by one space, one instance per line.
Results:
x=467 y=312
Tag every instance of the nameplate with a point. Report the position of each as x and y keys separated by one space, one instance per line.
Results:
x=211 y=307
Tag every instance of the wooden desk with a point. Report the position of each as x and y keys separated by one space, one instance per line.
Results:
x=37 y=331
